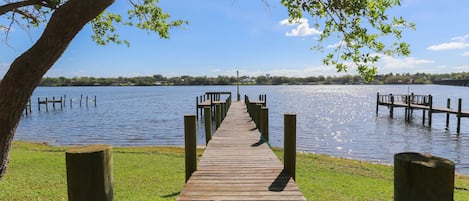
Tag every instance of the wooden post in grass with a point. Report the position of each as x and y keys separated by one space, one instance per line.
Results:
x=208 y=124
x=89 y=173
x=289 y=156
x=422 y=177
x=265 y=123
x=190 y=142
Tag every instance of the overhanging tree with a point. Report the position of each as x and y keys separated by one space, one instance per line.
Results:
x=361 y=26
x=357 y=23
x=64 y=18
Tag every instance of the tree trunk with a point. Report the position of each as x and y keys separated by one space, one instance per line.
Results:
x=27 y=70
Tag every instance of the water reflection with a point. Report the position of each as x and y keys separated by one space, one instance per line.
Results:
x=334 y=120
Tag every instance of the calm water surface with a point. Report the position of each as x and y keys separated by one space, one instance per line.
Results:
x=333 y=120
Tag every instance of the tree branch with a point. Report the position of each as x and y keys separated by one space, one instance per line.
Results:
x=11 y=7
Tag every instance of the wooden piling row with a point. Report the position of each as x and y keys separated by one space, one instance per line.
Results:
x=420 y=102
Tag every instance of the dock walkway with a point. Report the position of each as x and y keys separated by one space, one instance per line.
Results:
x=237 y=165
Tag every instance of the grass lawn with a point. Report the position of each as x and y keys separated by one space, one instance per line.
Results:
x=37 y=172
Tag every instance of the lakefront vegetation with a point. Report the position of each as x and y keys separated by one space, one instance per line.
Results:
x=406 y=78
x=157 y=173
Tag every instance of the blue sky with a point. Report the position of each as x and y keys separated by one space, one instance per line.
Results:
x=224 y=36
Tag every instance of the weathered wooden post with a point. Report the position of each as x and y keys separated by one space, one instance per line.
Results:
x=47 y=105
x=430 y=110
x=265 y=100
x=422 y=177
x=217 y=115
x=448 y=105
x=289 y=145
x=391 y=107
x=95 y=101
x=38 y=104
x=265 y=123
x=89 y=173
x=197 y=106
x=377 y=103
x=81 y=99
x=408 y=109
x=258 y=117
x=87 y=101
x=458 y=123
x=208 y=124
x=190 y=142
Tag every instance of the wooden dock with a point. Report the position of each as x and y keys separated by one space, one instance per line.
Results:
x=413 y=102
x=238 y=165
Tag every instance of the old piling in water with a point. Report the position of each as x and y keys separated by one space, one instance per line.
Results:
x=448 y=106
x=89 y=173
x=458 y=123
x=422 y=177
x=290 y=144
x=217 y=115
x=190 y=142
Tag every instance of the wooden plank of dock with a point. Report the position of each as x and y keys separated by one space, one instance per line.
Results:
x=237 y=165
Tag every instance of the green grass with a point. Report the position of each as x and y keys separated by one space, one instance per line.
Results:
x=37 y=172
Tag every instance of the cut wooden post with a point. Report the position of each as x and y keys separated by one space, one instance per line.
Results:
x=89 y=173
x=47 y=105
x=95 y=101
x=217 y=115
x=423 y=116
x=422 y=177
x=448 y=105
x=458 y=123
x=289 y=145
x=190 y=142
x=208 y=124
x=265 y=123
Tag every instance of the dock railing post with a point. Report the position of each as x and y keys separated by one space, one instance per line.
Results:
x=208 y=124
x=448 y=105
x=190 y=145
x=217 y=115
x=422 y=177
x=258 y=117
x=458 y=128
x=89 y=173
x=289 y=146
x=265 y=123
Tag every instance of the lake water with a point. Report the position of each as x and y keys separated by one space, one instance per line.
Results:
x=333 y=120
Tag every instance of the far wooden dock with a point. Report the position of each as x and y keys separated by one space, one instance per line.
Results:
x=413 y=102
x=238 y=165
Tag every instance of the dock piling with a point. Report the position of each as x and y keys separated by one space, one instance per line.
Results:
x=290 y=144
x=265 y=123
x=190 y=142
x=208 y=124
x=448 y=106
x=458 y=126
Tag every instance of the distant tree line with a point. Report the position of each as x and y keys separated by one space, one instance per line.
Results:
x=160 y=80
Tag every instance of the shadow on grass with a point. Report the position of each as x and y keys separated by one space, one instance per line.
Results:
x=171 y=195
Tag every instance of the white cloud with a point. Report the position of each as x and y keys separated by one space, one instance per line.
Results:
x=465 y=54
x=390 y=62
x=458 y=42
x=302 y=28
